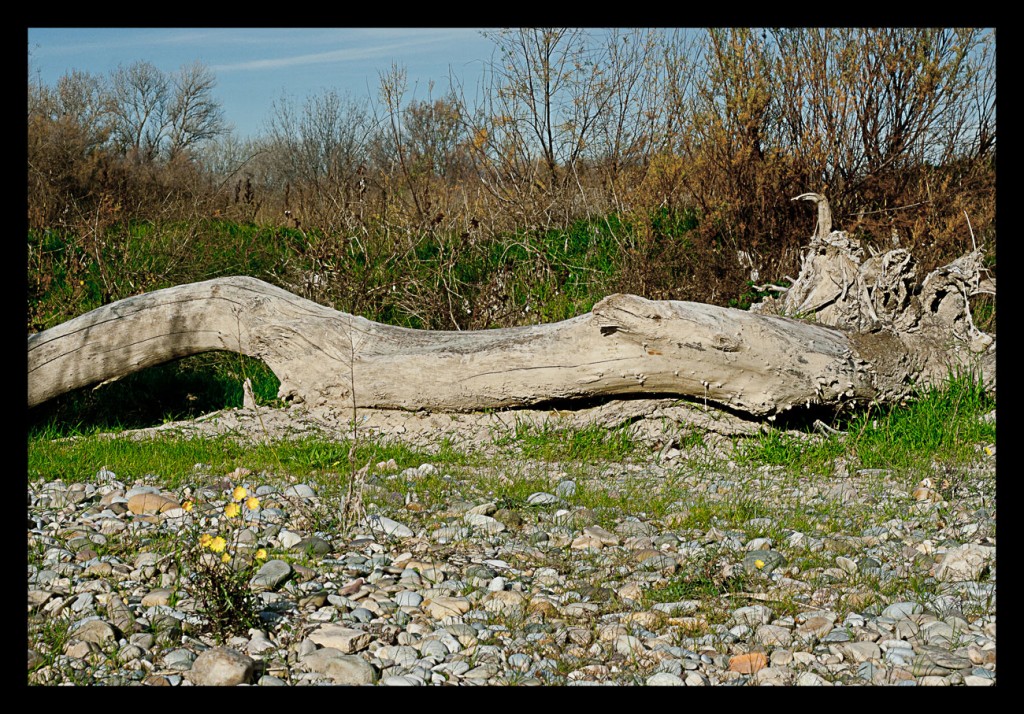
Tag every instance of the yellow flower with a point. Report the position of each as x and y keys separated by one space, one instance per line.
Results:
x=225 y=558
x=231 y=510
x=187 y=506
x=218 y=544
x=252 y=503
x=759 y=564
x=205 y=539
x=239 y=493
x=261 y=554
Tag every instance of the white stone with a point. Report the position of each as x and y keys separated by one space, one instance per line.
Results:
x=665 y=679
x=752 y=615
x=340 y=667
x=383 y=526
x=345 y=639
x=810 y=679
x=288 y=538
x=695 y=679
x=972 y=680
x=964 y=563
x=483 y=523
x=221 y=667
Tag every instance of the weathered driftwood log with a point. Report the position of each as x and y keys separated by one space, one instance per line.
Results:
x=759 y=364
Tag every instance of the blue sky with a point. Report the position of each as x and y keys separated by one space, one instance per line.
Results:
x=255 y=66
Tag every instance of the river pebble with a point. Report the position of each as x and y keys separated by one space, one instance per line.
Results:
x=469 y=588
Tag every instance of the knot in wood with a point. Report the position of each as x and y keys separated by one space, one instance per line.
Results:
x=725 y=343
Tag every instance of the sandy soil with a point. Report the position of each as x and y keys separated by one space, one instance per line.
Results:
x=660 y=422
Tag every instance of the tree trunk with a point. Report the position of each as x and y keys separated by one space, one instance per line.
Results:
x=754 y=363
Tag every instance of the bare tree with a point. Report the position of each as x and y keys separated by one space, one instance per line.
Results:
x=322 y=142
x=316 y=152
x=435 y=133
x=550 y=92
x=679 y=53
x=139 y=96
x=627 y=129
x=157 y=115
x=192 y=114
x=976 y=134
x=910 y=80
x=79 y=102
x=864 y=105
x=391 y=141
x=68 y=126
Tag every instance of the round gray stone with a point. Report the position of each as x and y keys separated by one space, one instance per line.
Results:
x=566 y=488
x=313 y=545
x=540 y=498
x=361 y=614
x=301 y=490
x=381 y=526
x=664 y=679
x=900 y=610
x=222 y=667
x=771 y=559
x=340 y=667
x=403 y=680
x=97 y=631
x=520 y=661
x=408 y=598
x=271 y=575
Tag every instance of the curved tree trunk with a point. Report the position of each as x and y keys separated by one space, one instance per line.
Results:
x=758 y=364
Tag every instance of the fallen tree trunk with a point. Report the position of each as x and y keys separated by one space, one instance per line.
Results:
x=626 y=345
x=757 y=364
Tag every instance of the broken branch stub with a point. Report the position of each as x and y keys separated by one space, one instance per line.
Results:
x=912 y=332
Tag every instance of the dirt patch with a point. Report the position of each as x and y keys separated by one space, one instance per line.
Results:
x=655 y=421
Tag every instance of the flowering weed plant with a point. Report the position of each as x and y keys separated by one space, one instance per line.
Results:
x=219 y=565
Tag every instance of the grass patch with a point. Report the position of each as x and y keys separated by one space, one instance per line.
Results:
x=51 y=635
x=590 y=444
x=701 y=578
x=174 y=457
x=940 y=424
x=643 y=497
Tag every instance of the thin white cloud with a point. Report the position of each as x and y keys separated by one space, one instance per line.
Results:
x=411 y=42
x=116 y=39
x=361 y=43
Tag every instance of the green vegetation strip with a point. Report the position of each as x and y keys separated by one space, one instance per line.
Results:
x=942 y=425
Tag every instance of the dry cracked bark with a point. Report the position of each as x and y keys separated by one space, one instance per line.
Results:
x=872 y=335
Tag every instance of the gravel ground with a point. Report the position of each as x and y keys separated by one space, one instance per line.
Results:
x=679 y=568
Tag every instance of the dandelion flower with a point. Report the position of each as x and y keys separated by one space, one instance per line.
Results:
x=187 y=506
x=205 y=539
x=231 y=510
x=218 y=544
x=261 y=554
x=252 y=503
x=225 y=558
x=239 y=493
x=759 y=564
